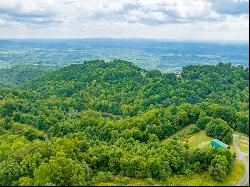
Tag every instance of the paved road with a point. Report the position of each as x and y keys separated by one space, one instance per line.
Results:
x=245 y=158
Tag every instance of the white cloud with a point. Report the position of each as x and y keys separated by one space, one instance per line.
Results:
x=2 y=22
x=125 y=18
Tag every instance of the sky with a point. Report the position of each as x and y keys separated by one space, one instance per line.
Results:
x=150 y=19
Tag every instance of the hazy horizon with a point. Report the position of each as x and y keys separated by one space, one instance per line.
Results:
x=137 y=39
x=165 y=55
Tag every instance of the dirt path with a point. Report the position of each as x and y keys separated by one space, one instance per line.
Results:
x=245 y=158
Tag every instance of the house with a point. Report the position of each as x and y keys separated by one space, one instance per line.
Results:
x=178 y=74
x=178 y=71
x=218 y=144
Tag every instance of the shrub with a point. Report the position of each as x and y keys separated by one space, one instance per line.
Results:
x=218 y=168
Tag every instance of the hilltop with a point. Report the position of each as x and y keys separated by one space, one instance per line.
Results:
x=88 y=123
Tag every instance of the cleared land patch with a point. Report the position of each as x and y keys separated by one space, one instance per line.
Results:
x=199 y=140
x=243 y=144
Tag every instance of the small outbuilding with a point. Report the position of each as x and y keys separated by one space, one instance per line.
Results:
x=218 y=144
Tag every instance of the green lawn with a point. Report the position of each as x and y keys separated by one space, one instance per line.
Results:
x=242 y=142
x=241 y=133
x=243 y=145
x=199 y=139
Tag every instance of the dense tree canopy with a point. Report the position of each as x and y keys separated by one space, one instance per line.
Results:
x=89 y=121
x=219 y=129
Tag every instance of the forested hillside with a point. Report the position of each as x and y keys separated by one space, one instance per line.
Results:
x=11 y=77
x=88 y=122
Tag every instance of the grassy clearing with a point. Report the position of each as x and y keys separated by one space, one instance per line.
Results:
x=241 y=134
x=199 y=140
x=194 y=179
x=182 y=131
x=243 y=144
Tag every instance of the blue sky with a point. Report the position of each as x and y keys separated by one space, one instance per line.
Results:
x=151 y=19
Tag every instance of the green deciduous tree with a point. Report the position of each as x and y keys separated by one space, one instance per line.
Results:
x=218 y=168
x=219 y=129
x=60 y=171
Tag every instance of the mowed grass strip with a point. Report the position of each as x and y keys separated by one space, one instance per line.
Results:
x=243 y=145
